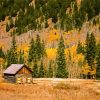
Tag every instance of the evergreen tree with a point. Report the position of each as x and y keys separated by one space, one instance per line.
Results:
x=12 y=57
x=21 y=57
x=61 y=60
x=50 y=70
x=35 y=70
x=7 y=28
x=41 y=70
x=43 y=51
x=32 y=51
x=8 y=57
x=2 y=55
x=11 y=23
x=98 y=62
x=79 y=48
x=90 y=49
x=38 y=47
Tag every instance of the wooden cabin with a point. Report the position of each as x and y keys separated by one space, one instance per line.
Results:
x=15 y=71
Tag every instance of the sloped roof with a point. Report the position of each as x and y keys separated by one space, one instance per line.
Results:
x=13 y=68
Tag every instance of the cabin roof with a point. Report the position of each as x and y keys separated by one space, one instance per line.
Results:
x=14 y=68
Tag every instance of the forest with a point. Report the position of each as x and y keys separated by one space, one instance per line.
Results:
x=25 y=15
x=61 y=60
x=60 y=67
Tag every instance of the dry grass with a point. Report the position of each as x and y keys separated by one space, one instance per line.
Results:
x=67 y=86
x=51 y=90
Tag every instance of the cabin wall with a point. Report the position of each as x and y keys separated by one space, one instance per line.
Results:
x=24 y=70
x=10 y=78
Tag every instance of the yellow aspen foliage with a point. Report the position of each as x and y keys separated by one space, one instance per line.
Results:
x=79 y=57
x=1 y=61
x=51 y=53
x=2 y=45
x=53 y=35
x=74 y=56
x=93 y=72
x=86 y=69
x=24 y=47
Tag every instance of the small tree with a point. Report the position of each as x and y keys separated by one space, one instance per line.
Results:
x=50 y=70
x=61 y=60
x=11 y=23
x=41 y=70
x=7 y=28
x=2 y=55
x=35 y=70
x=12 y=57
x=90 y=49
x=98 y=62
x=21 y=57
x=32 y=51
x=38 y=47
x=79 y=48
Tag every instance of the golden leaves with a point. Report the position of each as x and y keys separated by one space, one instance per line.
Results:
x=51 y=53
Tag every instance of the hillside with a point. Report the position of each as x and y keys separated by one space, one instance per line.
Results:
x=27 y=18
x=46 y=21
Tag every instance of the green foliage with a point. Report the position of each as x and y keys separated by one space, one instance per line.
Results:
x=7 y=27
x=80 y=48
x=61 y=60
x=11 y=23
x=41 y=70
x=2 y=55
x=36 y=50
x=35 y=70
x=46 y=9
x=98 y=62
x=50 y=70
x=38 y=47
x=90 y=7
x=12 y=57
x=21 y=57
x=32 y=51
x=90 y=49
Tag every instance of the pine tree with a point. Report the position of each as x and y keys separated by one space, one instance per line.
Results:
x=2 y=55
x=11 y=23
x=50 y=70
x=21 y=57
x=43 y=51
x=90 y=49
x=7 y=28
x=80 y=48
x=12 y=57
x=8 y=57
x=61 y=61
x=41 y=70
x=35 y=70
x=98 y=62
x=14 y=51
x=38 y=47
x=32 y=51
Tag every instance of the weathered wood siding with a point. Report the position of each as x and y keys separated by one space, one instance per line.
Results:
x=10 y=78
x=24 y=70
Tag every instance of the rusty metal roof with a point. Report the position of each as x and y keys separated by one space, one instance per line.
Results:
x=13 y=68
